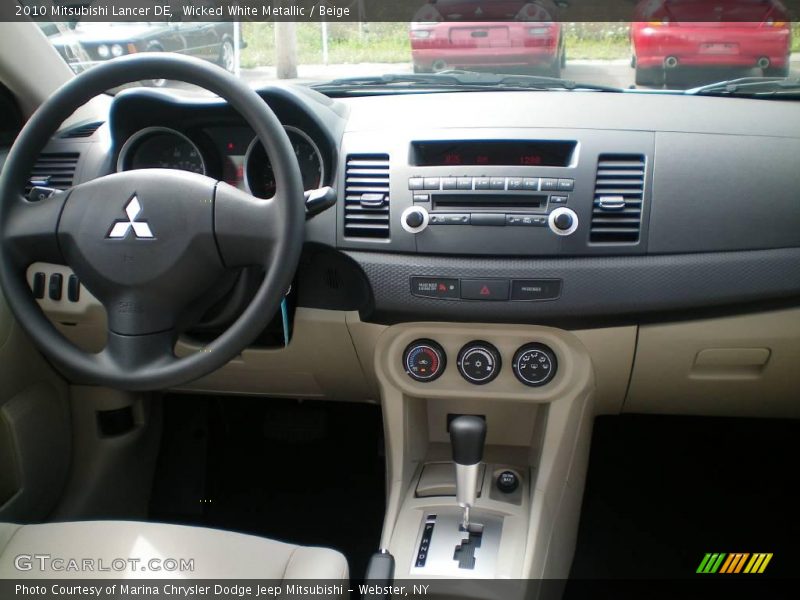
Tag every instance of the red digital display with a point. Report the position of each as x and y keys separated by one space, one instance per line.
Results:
x=508 y=153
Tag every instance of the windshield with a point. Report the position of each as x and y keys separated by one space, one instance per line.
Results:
x=664 y=53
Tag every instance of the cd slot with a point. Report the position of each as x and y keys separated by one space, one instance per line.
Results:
x=473 y=202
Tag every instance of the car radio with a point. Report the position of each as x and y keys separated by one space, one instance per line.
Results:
x=493 y=201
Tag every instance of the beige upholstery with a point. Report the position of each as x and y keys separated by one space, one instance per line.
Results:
x=216 y=554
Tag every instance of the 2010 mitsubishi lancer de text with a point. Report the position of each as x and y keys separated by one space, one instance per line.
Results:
x=433 y=299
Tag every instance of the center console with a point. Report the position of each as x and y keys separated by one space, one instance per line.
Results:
x=510 y=510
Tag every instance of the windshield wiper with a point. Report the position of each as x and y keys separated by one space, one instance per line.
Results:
x=752 y=87
x=462 y=80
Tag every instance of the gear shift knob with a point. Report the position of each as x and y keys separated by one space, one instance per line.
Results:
x=467 y=438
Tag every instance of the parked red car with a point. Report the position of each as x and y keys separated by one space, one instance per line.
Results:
x=489 y=34
x=672 y=34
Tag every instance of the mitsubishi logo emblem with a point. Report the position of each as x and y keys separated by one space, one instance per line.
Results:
x=121 y=228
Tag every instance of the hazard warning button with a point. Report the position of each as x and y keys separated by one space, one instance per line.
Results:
x=484 y=289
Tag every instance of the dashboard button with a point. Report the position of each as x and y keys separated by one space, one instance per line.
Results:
x=535 y=289
x=558 y=199
x=484 y=289
x=431 y=183
x=482 y=183
x=422 y=197
x=415 y=183
x=550 y=184
x=464 y=183
x=515 y=183
x=56 y=286
x=449 y=183
x=435 y=287
x=530 y=183
x=39 y=279
x=497 y=183
x=73 y=288
x=566 y=185
x=507 y=482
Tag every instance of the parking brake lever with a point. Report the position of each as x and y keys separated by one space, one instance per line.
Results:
x=319 y=200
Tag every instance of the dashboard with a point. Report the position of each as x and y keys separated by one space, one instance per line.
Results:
x=563 y=207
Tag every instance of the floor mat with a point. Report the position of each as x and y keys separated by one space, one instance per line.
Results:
x=309 y=473
x=663 y=491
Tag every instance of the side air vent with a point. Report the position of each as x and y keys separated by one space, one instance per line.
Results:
x=82 y=131
x=54 y=169
x=366 y=196
x=618 y=197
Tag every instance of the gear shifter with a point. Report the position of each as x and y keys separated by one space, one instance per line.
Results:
x=467 y=437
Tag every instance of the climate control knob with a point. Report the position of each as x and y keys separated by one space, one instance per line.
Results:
x=535 y=364
x=563 y=221
x=479 y=362
x=424 y=360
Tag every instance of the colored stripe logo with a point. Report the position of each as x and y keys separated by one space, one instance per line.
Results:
x=737 y=562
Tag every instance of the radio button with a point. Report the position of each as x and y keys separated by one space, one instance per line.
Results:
x=515 y=183
x=464 y=183
x=431 y=183
x=415 y=183
x=422 y=197
x=494 y=219
x=482 y=183
x=566 y=185
x=550 y=185
x=526 y=220
x=449 y=183
x=558 y=199
x=530 y=183
x=497 y=183
x=484 y=289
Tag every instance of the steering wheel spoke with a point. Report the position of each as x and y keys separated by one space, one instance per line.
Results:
x=31 y=230
x=129 y=353
x=247 y=228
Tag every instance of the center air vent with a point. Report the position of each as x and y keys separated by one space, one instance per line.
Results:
x=366 y=196
x=54 y=170
x=82 y=131
x=618 y=198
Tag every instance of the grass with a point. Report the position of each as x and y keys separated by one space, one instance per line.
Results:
x=350 y=43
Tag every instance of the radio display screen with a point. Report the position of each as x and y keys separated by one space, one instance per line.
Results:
x=506 y=153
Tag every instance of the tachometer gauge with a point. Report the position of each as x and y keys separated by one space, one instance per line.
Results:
x=259 y=177
x=160 y=148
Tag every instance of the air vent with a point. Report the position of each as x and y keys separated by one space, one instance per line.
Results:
x=618 y=197
x=54 y=169
x=82 y=131
x=366 y=199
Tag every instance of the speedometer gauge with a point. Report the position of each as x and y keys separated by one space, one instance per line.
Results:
x=160 y=148
x=259 y=176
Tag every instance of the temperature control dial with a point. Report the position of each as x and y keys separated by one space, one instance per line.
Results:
x=479 y=362
x=535 y=364
x=424 y=360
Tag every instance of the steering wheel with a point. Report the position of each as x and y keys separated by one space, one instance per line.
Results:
x=149 y=243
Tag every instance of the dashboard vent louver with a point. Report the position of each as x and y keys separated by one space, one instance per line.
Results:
x=82 y=131
x=366 y=196
x=618 y=198
x=54 y=170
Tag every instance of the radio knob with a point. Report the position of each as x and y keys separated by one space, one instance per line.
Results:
x=563 y=221
x=414 y=219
